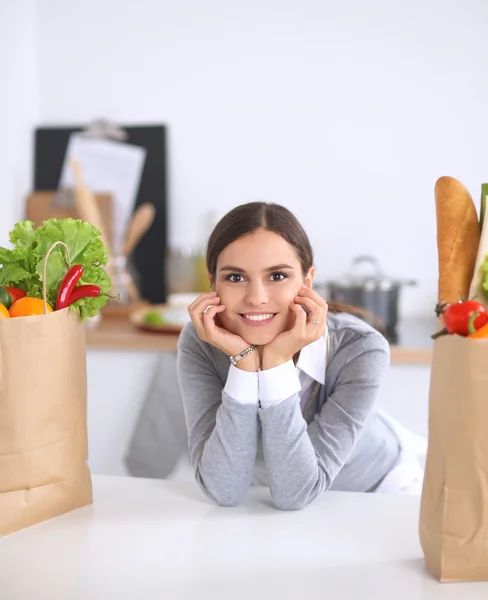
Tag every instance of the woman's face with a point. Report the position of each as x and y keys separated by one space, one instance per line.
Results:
x=257 y=279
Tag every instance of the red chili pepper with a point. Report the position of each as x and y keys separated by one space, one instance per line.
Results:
x=84 y=291
x=67 y=286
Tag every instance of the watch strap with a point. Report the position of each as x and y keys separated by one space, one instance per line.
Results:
x=236 y=358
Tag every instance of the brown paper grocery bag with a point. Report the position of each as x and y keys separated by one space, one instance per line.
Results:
x=453 y=525
x=43 y=410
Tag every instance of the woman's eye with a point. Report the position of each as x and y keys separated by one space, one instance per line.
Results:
x=278 y=276
x=235 y=278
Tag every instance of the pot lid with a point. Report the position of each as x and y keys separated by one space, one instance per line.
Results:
x=372 y=279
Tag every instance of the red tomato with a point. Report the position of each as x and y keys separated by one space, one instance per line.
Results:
x=457 y=315
x=15 y=293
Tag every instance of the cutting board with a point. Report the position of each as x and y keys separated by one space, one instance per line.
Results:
x=39 y=208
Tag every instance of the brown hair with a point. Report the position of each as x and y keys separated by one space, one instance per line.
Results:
x=247 y=218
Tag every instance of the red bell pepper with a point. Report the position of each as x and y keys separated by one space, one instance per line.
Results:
x=15 y=293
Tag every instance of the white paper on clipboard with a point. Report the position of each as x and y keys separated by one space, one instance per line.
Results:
x=107 y=167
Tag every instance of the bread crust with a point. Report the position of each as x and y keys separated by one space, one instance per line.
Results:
x=458 y=238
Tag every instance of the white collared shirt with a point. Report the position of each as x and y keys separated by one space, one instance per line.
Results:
x=272 y=386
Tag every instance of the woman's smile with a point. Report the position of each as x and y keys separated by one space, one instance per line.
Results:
x=257 y=319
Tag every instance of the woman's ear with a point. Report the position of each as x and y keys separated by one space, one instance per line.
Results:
x=310 y=277
x=212 y=286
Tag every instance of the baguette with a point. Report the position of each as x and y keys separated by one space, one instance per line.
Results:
x=458 y=238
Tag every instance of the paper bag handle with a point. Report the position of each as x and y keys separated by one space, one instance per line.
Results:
x=44 y=285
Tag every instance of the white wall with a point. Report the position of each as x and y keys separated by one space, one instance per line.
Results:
x=19 y=105
x=346 y=112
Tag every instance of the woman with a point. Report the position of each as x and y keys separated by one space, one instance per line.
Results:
x=277 y=386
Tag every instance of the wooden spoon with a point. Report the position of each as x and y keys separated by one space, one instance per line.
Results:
x=141 y=221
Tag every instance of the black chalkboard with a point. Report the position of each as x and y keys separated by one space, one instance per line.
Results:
x=149 y=257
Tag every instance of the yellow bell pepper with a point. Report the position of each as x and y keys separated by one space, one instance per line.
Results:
x=480 y=333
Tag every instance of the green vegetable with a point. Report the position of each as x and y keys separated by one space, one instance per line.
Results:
x=484 y=277
x=22 y=266
x=153 y=318
x=484 y=193
x=5 y=297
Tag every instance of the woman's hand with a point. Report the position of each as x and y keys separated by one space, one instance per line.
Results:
x=203 y=312
x=307 y=328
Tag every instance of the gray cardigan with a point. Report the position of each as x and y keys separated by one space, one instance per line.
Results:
x=341 y=443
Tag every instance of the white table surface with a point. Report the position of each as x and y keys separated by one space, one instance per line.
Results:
x=149 y=539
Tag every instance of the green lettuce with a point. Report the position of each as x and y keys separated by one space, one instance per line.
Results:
x=23 y=265
x=484 y=277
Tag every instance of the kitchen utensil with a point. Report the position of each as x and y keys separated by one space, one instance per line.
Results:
x=373 y=292
x=141 y=221
x=86 y=204
x=123 y=282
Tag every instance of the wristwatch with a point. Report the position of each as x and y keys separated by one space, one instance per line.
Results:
x=235 y=359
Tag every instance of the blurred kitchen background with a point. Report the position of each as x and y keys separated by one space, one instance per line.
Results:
x=345 y=112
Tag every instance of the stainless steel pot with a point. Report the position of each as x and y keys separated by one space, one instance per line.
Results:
x=373 y=292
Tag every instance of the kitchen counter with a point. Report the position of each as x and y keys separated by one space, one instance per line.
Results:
x=414 y=345
x=159 y=539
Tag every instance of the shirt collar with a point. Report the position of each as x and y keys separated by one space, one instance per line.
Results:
x=312 y=359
